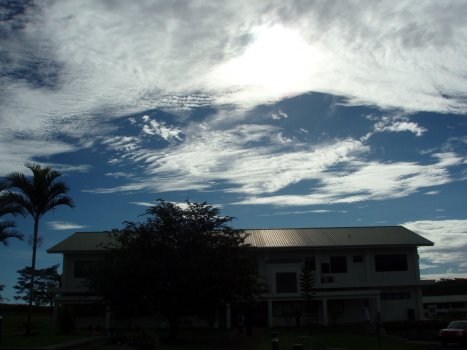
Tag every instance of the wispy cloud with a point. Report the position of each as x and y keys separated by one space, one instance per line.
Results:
x=279 y=115
x=153 y=127
x=369 y=181
x=300 y=212
x=63 y=225
x=249 y=159
x=450 y=238
x=397 y=123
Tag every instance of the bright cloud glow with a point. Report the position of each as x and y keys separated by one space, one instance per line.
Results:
x=69 y=68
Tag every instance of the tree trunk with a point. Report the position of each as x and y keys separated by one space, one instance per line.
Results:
x=173 y=329
x=33 y=275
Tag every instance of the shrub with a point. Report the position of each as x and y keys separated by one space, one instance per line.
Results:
x=66 y=320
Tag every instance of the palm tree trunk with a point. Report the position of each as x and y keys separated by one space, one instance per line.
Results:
x=33 y=275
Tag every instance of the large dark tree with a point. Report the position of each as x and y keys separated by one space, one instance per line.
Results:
x=45 y=281
x=179 y=262
x=36 y=195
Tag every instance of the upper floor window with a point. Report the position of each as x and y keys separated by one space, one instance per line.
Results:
x=286 y=282
x=84 y=268
x=310 y=263
x=391 y=262
x=337 y=264
x=357 y=258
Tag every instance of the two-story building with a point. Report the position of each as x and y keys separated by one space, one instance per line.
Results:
x=359 y=272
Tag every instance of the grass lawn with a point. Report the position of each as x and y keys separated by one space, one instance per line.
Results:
x=203 y=339
x=347 y=338
x=44 y=333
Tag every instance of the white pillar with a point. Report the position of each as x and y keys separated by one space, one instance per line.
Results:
x=378 y=307
x=55 y=313
x=228 y=317
x=419 y=304
x=325 y=311
x=107 y=319
x=270 y=314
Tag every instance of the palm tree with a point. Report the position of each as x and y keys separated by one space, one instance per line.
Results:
x=6 y=226
x=36 y=195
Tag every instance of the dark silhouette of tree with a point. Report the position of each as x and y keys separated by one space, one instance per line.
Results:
x=7 y=226
x=45 y=280
x=36 y=195
x=179 y=262
x=307 y=284
x=446 y=286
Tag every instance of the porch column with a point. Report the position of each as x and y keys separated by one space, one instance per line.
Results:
x=228 y=318
x=270 y=315
x=55 y=313
x=325 y=311
x=107 y=319
x=378 y=307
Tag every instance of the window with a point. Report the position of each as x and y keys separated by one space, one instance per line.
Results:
x=310 y=262
x=286 y=282
x=394 y=262
x=357 y=258
x=83 y=269
x=325 y=268
x=338 y=264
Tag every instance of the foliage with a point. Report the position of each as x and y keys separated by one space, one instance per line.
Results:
x=446 y=286
x=307 y=284
x=45 y=280
x=7 y=226
x=35 y=196
x=178 y=262
x=66 y=320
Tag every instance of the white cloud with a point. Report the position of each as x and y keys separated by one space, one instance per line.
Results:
x=300 y=212
x=252 y=159
x=369 y=181
x=432 y=193
x=144 y=204
x=153 y=127
x=279 y=115
x=73 y=66
x=63 y=225
x=450 y=238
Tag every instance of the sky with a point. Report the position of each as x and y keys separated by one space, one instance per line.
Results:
x=280 y=113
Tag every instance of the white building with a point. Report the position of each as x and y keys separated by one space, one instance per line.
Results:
x=355 y=269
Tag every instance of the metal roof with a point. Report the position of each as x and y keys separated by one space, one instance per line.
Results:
x=335 y=237
x=82 y=242
x=280 y=238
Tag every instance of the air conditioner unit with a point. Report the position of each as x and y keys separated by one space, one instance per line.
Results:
x=327 y=279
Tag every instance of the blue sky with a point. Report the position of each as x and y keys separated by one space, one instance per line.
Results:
x=283 y=114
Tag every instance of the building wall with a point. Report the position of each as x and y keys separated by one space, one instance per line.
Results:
x=71 y=283
x=359 y=274
x=361 y=284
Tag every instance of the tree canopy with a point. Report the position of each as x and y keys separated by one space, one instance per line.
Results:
x=179 y=262
x=7 y=227
x=46 y=279
x=35 y=195
x=446 y=286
